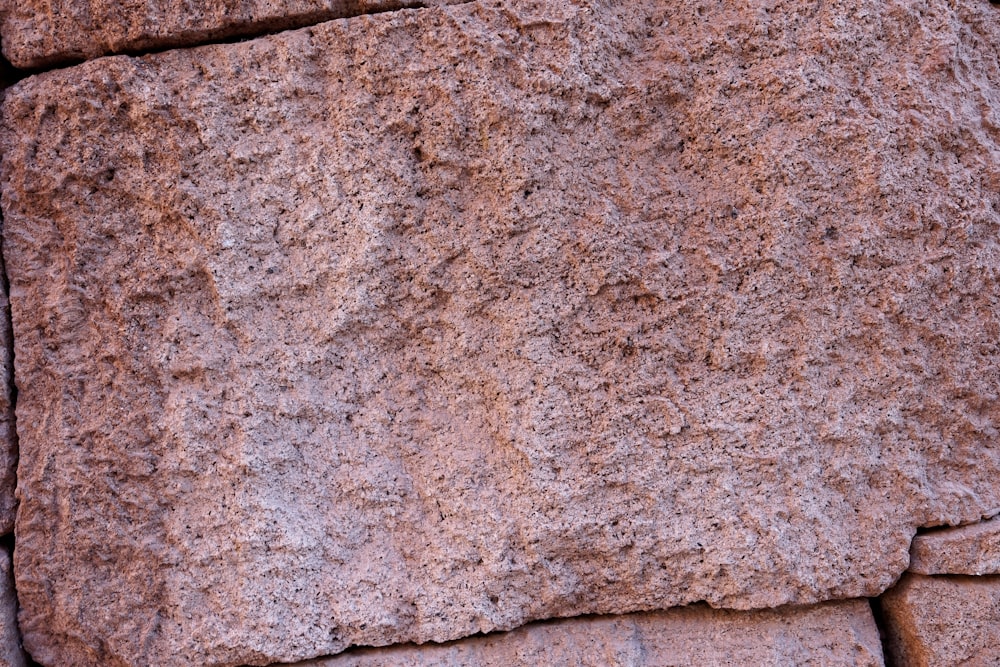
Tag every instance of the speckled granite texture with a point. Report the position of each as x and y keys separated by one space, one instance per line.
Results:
x=436 y=322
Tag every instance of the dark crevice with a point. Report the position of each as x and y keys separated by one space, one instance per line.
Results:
x=936 y=528
x=9 y=75
x=883 y=631
x=231 y=34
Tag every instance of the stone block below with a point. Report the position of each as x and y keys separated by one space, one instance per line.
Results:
x=832 y=634
x=943 y=621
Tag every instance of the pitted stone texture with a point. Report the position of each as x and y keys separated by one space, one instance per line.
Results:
x=943 y=621
x=38 y=33
x=11 y=653
x=973 y=549
x=828 y=635
x=431 y=323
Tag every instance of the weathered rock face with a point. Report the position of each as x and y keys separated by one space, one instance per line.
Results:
x=838 y=633
x=943 y=621
x=37 y=33
x=971 y=549
x=429 y=323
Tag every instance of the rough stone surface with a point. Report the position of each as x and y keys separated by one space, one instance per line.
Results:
x=943 y=621
x=437 y=322
x=11 y=653
x=37 y=33
x=973 y=549
x=828 y=635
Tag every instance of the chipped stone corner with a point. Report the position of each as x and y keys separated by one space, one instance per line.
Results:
x=945 y=610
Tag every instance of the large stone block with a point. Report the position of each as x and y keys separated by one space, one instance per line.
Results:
x=436 y=322
x=943 y=621
x=829 y=635
x=37 y=33
x=973 y=549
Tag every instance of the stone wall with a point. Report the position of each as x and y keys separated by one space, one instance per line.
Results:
x=364 y=333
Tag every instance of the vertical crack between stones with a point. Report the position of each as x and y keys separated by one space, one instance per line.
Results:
x=8 y=336
x=883 y=631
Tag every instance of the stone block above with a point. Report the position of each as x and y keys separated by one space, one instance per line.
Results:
x=40 y=33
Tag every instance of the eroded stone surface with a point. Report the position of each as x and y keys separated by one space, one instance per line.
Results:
x=828 y=635
x=973 y=549
x=943 y=621
x=429 y=323
x=37 y=33
x=11 y=653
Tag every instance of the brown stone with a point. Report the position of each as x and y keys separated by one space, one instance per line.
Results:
x=437 y=322
x=943 y=621
x=38 y=33
x=11 y=653
x=827 y=635
x=972 y=549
